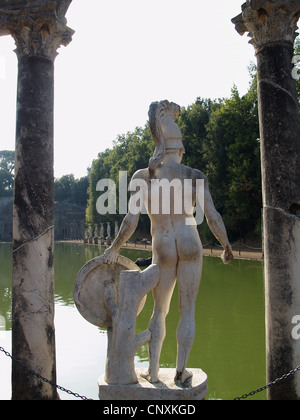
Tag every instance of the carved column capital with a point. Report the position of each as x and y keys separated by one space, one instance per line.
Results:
x=37 y=31
x=268 y=21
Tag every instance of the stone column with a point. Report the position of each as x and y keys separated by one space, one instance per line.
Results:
x=271 y=26
x=38 y=28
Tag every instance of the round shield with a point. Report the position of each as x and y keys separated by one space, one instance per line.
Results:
x=89 y=288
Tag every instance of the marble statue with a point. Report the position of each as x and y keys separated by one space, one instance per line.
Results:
x=111 y=297
x=176 y=246
x=108 y=230
x=91 y=235
x=116 y=229
x=96 y=239
x=101 y=230
x=101 y=233
x=108 y=238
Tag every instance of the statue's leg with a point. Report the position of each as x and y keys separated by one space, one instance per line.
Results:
x=165 y=255
x=189 y=277
x=162 y=297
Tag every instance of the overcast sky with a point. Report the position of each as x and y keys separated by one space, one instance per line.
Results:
x=124 y=55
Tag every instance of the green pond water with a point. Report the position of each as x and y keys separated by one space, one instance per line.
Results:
x=230 y=337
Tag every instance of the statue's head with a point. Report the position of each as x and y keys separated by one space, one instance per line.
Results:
x=165 y=132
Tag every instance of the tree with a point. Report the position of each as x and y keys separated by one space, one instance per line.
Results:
x=232 y=155
x=7 y=165
x=129 y=153
x=69 y=188
x=63 y=187
x=79 y=193
x=192 y=122
x=221 y=138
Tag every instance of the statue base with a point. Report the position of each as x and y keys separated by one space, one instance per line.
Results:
x=165 y=389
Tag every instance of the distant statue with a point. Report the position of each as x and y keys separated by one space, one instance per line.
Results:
x=102 y=230
x=176 y=245
x=116 y=229
x=108 y=230
x=108 y=238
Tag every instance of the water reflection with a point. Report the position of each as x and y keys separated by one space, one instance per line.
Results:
x=230 y=338
x=69 y=259
x=5 y=283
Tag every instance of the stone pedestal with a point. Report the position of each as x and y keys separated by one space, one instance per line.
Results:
x=166 y=389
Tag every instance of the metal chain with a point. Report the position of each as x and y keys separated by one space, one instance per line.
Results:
x=42 y=378
x=282 y=378
x=243 y=397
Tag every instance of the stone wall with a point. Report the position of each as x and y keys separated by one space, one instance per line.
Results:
x=68 y=220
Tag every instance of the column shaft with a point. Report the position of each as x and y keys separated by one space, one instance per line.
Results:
x=33 y=271
x=272 y=25
x=39 y=29
x=280 y=155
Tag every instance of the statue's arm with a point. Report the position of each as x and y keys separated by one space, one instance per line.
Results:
x=216 y=224
x=127 y=229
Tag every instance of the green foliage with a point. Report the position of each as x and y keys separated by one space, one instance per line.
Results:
x=130 y=152
x=66 y=187
x=7 y=165
x=221 y=138
x=193 y=122
x=232 y=156
x=71 y=189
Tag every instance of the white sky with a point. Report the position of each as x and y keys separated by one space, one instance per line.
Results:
x=124 y=55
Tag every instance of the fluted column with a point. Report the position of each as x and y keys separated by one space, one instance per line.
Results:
x=39 y=29
x=271 y=25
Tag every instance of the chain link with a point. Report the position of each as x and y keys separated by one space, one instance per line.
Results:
x=282 y=378
x=243 y=397
x=42 y=378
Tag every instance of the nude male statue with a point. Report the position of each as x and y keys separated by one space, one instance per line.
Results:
x=176 y=245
